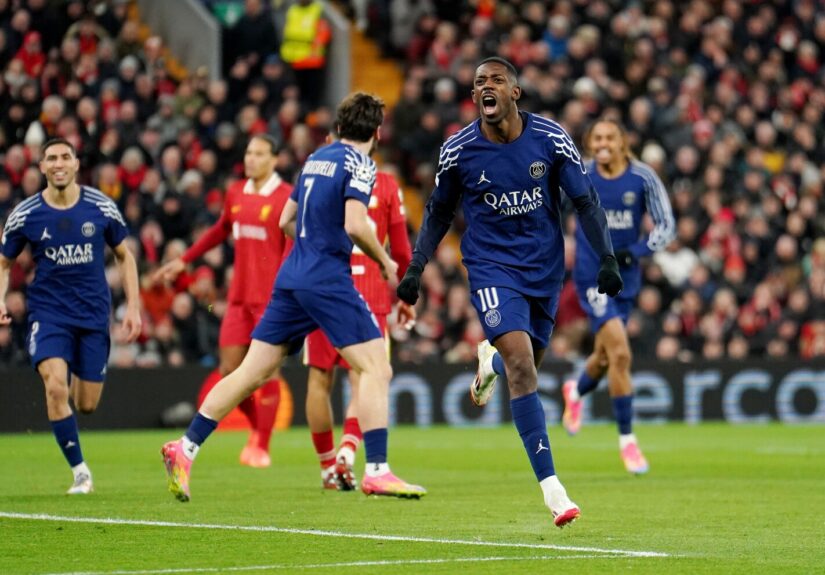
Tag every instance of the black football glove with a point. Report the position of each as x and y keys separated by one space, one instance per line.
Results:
x=410 y=284
x=609 y=278
x=625 y=258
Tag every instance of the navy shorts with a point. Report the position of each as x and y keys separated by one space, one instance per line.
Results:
x=502 y=310
x=291 y=315
x=600 y=308
x=85 y=350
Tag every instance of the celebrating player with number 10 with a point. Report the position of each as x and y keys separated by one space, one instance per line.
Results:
x=508 y=170
x=326 y=214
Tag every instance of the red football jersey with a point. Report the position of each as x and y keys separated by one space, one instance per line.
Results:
x=386 y=211
x=260 y=245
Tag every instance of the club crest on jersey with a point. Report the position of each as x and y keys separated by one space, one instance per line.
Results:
x=88 y=229
x=537 y=170
x=629 y=198
x=492 y=318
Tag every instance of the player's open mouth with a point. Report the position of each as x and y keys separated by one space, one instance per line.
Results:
x=488 y=104
x=603 y=154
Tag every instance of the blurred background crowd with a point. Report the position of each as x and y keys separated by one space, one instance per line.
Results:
x=724 y=99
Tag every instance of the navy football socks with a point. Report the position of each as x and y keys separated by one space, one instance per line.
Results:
x=65 y=432
x=623 y=410
x=528 y=417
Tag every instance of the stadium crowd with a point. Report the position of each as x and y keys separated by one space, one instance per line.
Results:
x=724 y=99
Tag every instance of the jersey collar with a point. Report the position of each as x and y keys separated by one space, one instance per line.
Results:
x=266 y=190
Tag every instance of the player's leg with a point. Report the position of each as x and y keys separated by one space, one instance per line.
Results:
x=369 y=361
x=600 y=309
x=231 y=357
x=280 y=331
x=267 y=401
x=352 y=328
x=520 y=330
x=257 y=367
x=51 y=348
x=619 y=357
x=352 y=435
x=350 y=438
x=595 y=366
x=320 y=421
x=321 y=358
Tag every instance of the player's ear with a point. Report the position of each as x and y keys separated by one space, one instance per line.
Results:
x=516 y=92
x=474 y=96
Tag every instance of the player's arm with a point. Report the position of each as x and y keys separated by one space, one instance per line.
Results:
x=577 y=185
x=12 y=243
x=5 y=272
x=289 y=216
x=129 y=275
x=363 y=236
x=657 y=204
x=438 y=217
x=215 y=235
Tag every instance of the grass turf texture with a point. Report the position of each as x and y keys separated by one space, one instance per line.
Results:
x=719 y=499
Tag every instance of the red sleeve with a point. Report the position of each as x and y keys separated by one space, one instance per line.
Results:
x=214 y=236
x=397 y=212
x=400 y=249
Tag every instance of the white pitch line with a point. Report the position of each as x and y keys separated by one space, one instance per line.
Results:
x=321 y=533
x=385 y=563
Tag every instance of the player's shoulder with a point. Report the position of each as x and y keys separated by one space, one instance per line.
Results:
x=105 y=205
x=236 y=187
x=26 y=206
x=541 y=127
x=461 y=138
x=20 y=213
x=639 y=168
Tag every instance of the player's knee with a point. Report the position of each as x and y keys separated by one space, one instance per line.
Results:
x=521 y=371
x=382 y=370
x=620 y=357
x=57 y=394
x=86 y=406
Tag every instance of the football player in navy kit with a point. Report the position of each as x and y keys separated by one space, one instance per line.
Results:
x=508 y=169
x=67 y=227
x=628 y=189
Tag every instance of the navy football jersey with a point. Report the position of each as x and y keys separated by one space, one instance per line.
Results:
x=625 y=200
x=69 y=286
x=320 y=258
x=511 y=196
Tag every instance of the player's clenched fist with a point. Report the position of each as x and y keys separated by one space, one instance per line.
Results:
x=410 y=284
x=609 y=278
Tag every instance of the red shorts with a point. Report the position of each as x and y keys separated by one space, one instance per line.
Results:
x=238 y=322
x=318 y=351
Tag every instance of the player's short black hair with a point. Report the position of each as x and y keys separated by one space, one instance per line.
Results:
x=54 y=142
x=511 y=70
x=274 y=145
x=358 y=116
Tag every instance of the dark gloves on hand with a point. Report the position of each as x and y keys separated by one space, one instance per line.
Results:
x=410 y=284
x=609 y=278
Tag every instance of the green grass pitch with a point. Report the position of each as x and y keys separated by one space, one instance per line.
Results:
x=718 y=499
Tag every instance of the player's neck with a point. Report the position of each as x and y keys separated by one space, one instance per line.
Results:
x=505 y=131
x=614 y=169
x=259 y=183
x=363 y=147
x=62 y=199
